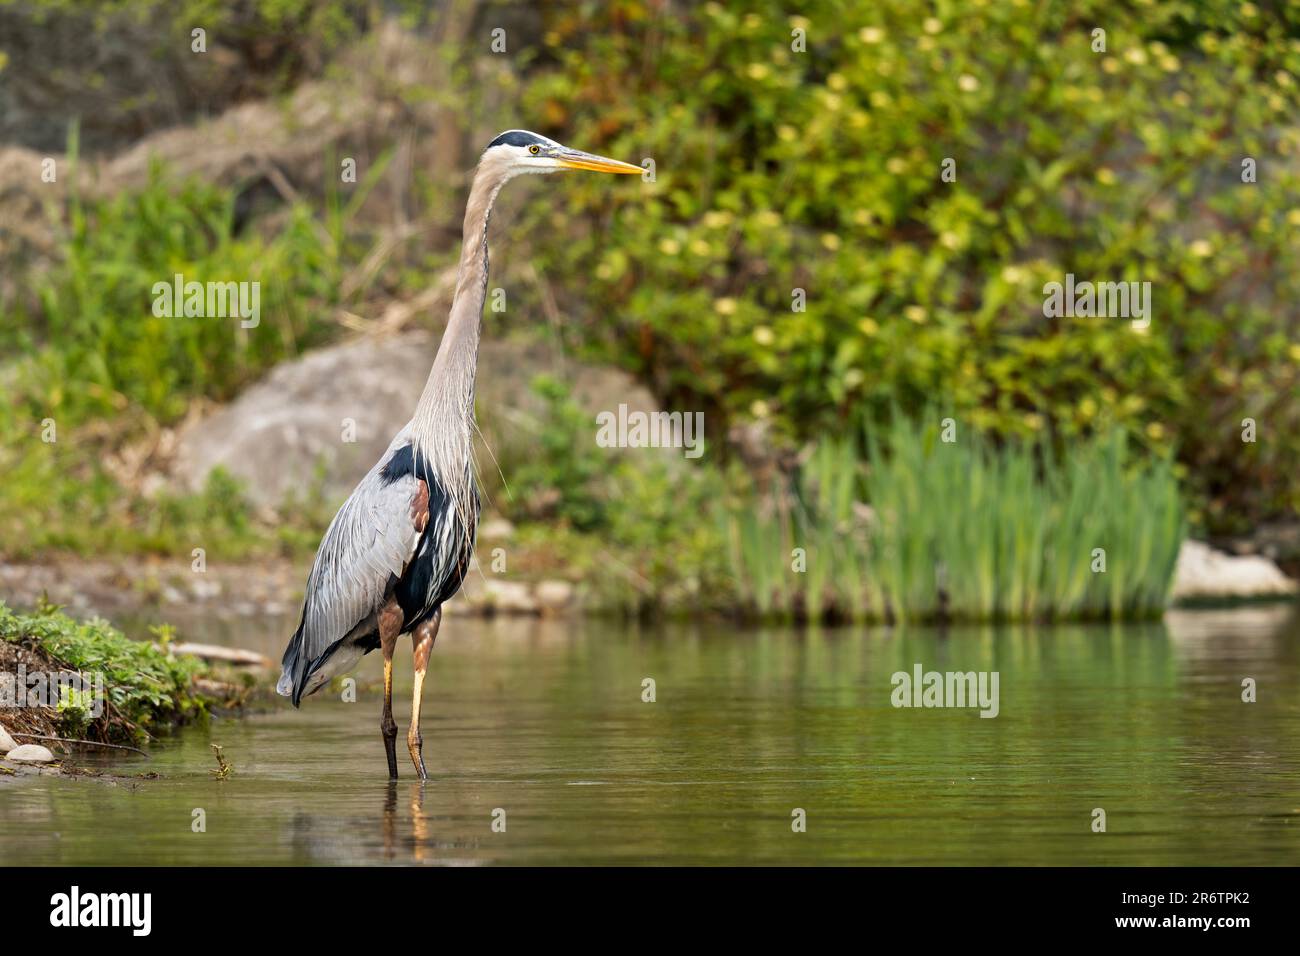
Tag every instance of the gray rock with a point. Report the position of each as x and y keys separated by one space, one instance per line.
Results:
x=30 y=753
x=7 y=743
x=1203 y=573
x=278 y=432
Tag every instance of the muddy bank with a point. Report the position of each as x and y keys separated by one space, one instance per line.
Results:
x=70 y=771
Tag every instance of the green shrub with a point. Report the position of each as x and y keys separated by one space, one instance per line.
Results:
x=779 y=170
x=559 y=477
x=639 y=530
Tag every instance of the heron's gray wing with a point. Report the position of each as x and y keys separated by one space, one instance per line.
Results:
x=367 y=547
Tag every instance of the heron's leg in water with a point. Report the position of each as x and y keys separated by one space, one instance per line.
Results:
x=390 y=625
x=422 y=639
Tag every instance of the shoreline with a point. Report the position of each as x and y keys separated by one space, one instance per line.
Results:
x=87 y=587
x=138 y=585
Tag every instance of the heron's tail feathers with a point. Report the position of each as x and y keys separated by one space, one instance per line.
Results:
x=291 y=672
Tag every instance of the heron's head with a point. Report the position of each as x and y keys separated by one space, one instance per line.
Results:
x=518 y=151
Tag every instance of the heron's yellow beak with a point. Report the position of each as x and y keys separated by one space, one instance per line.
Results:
x=575 y=159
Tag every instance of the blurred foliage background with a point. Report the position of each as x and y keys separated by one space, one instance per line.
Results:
x=780 y=171
x=778 y=168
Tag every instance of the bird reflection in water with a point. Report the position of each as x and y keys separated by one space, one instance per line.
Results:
x=420 y=844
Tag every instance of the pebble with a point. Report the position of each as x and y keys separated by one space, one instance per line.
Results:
x=7 y=743
x=204 y=590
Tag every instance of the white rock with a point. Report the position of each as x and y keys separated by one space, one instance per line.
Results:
x=497 y=529
x=509 y=597
x=7 y=743
x=30 y=753
x=554 y=595
x=1204 y=573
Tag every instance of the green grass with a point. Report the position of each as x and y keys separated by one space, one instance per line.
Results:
x=965 y=530
x=636 y=528
x=94 y=348
x=805 y=552
x=86 y=356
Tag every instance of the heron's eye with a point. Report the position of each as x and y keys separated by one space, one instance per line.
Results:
x=534 y=149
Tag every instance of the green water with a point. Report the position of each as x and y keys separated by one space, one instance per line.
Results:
x=546 y=722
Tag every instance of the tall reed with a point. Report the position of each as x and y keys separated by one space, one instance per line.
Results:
x=963 y=529
x=804 y=550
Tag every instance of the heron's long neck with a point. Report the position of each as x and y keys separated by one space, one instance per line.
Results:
x=444 y=419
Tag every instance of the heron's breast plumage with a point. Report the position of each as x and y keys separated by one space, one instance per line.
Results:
x=442 y=557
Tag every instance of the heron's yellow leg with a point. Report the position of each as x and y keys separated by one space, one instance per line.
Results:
x=422 y=639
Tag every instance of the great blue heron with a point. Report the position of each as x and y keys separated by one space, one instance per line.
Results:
x=400 y=545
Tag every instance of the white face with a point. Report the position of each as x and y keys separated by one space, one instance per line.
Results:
x=537 y=154
x=539 y=157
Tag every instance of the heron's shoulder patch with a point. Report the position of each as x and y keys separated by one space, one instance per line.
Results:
x=405 y=463
x=399 y=466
